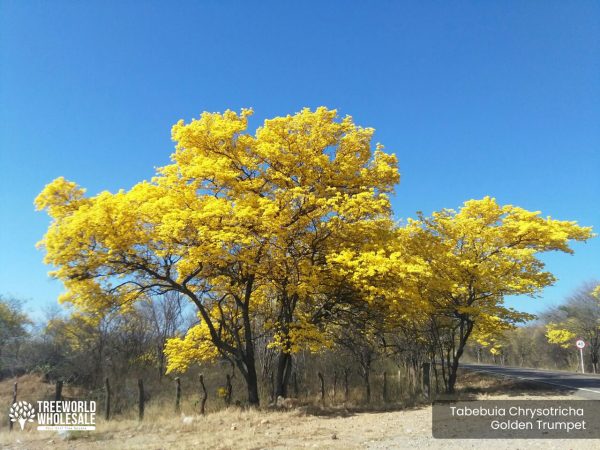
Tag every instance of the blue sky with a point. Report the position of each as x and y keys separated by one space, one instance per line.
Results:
x=476 y=98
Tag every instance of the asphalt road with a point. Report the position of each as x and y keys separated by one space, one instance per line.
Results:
x=585 y=386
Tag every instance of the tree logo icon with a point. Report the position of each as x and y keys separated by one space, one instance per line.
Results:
x=21 y=412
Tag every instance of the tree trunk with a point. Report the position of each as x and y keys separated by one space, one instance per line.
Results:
x=249 y=359
x=452 y=376
x=177 y=395
x=453 y=369
x=252 y=387
x=322 y=381
x=204 y=395
x=161 y=362
x=141 y=399
x=436 y=376
x=282 y=378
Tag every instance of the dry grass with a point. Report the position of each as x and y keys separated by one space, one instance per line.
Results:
x=31 y=388
x=30 y=384
x=226 y=429
x=234 y=428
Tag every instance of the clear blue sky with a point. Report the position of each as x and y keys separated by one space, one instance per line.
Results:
x=476 y=98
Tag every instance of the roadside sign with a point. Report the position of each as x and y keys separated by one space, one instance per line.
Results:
x=580 y=344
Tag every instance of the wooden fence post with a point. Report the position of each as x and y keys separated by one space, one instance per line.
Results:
x=295 y=384
x=107 y=398
x=140 y=399
x=400 y=387
x=334 y=384
x=58 y=392
x=229 y=390
x=426 y=381
x=204 y=395
x=177 y=394
x=385 y=388
x=10 y=422
x=320 y=375
x=346 y=388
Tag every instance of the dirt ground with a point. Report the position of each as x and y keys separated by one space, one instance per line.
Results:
x=323 y=428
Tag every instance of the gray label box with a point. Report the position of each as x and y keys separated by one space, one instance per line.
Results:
x=517 y=419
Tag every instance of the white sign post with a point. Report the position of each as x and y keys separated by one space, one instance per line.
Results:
x=580 y=345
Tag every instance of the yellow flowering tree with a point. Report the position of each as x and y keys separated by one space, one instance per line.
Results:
x=477 y=256
x=451 y=272
x=239 y=223
x=557 y=334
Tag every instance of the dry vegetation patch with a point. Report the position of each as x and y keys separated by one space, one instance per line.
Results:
x=311 y=426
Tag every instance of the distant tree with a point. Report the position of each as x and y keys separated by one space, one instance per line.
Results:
x=165 y=316
x=519 y=345
x=76 y=348
x=577 y=317
x=14 y=324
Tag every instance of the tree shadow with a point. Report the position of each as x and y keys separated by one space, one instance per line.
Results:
x=473 y=384
x=350 y=410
